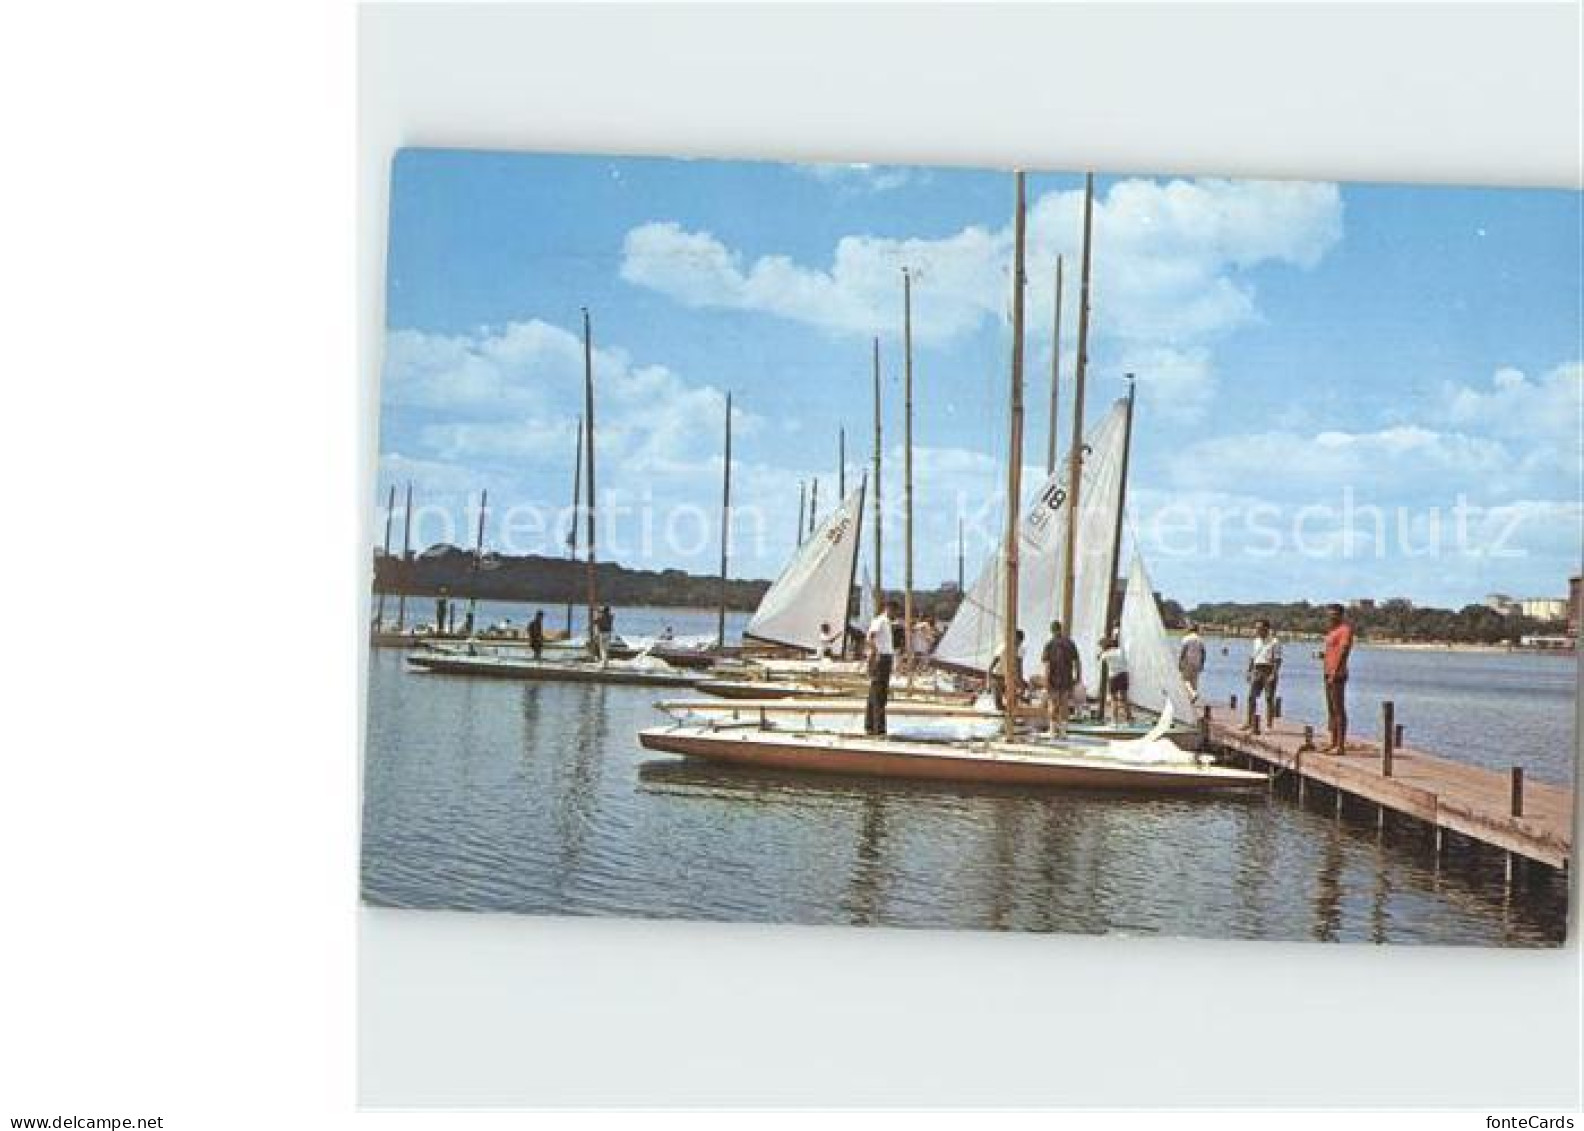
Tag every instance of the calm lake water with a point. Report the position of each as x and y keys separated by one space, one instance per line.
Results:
x=504 y=796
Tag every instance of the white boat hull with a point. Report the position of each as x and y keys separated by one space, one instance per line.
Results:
x=993 y=763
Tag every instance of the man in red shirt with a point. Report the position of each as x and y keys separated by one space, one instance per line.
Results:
x=1338 y=646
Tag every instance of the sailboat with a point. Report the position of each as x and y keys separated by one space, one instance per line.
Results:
x=1151 y=761
x=809 y=598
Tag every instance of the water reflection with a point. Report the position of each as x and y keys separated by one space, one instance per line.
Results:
x=492 y=795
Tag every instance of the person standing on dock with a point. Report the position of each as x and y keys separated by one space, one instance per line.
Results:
x=1338 y=647
x=536 y=635
x=1063 y=672
x=1191 y=660
x=442 y=611
x=1264 y=669
x=1114 y=661
x=880 y=652
x=1000 y=685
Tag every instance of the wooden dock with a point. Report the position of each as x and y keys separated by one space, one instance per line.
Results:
x=1530 y=820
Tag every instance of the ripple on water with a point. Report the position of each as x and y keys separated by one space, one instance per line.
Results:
x=485 y=795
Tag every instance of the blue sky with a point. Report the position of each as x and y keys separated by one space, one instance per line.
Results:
x=1344 y=391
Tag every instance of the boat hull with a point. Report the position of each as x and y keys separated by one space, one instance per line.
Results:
x=844 y=715
x=991 y=764
x=495 y=667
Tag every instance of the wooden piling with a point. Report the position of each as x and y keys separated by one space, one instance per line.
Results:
x=1517 y=791
x=1308 y=739
x=1388 y=710
x=1399 y=736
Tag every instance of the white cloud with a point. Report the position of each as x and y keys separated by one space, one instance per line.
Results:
x=1547 y=411
x=1170 y=261
x=859 y=176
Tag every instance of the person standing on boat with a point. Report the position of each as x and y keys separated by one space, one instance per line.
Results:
x=536 y=635
x=604 y=629
x=880 y=652
x=1264 y=669
x=442 y=610
x=1338 y=647
x=1114 y=661
x=1191 y=660
x=829 y=642
x=998 y=675
x=1063 y=672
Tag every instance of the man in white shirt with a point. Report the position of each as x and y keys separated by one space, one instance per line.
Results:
x=1114 y=662
x=880 y=652
x=1264 y=669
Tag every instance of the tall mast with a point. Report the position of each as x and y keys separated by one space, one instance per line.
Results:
x=588 y=471
x=1055 y=412
x=572 y=528
x=1113 y=608
x=401 y=600
x=879 y=574
x=1011 y=670
x=841 y=463
x=959 y=556
x=813 y=507
x=379 y=607
x=1075 y=455
x=478 y=557
x=907 y=469
x=802 y=507
x=720 y=623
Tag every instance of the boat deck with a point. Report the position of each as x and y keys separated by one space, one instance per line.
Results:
x=1532 y=820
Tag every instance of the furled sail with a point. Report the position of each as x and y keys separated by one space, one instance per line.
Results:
x=1153 y=679
x=815 y=586
x=975 y=633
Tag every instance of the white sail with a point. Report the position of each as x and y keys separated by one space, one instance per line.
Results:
x=815 y=586
x=975 y=633
x=868 y=602
x=1153 y=679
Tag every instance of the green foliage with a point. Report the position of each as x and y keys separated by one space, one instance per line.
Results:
x=1396 y=619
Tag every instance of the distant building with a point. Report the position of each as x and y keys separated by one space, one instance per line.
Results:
x=1544 y=608
x=948 y=586
x=1503 y=604
x=1364 y=603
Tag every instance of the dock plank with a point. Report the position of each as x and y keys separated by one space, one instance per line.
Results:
x=1469 y=800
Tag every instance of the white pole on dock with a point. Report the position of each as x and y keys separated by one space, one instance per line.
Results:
x=1075 y=455
x=401 y=597
x=1011 y=670
x=588 y=450
x=720 y=624
x=907 y=473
